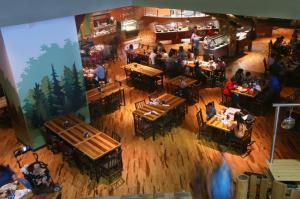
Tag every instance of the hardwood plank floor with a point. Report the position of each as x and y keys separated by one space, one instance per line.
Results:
x=169 y=163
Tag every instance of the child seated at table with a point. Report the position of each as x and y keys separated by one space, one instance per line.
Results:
x=210 y=110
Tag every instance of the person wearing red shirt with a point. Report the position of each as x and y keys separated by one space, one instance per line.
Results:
x=229 y=85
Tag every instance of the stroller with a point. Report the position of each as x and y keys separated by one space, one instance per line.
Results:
x=36 y=173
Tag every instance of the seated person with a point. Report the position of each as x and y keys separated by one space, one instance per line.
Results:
x=190 y=55
x=181 y=53
x=152 y=57
x=229 y=85
x=239 y=76
x=198 y=74
x=248 y=78
x=210 y=110
x=221 y=65
x=100 y=73
x=131 y=54
x=164 y=55
x=240 y=128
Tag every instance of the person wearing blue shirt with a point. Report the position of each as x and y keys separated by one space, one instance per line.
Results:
x=99 y=73
x=210 y=110
x=274 y=84
x=221 y=182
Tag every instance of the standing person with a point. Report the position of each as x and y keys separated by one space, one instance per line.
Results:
x=100 y=73
x=195 y=39
x=221 y=182
x=152 y=57
x=131 y=54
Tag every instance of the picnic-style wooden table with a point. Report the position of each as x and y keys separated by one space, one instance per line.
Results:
x=182 y=81
x=217 y=123
x=95 y=145
x=246 y=92
x=97 y=95
x=144 y=70
x=171 y=102
x=285 y=170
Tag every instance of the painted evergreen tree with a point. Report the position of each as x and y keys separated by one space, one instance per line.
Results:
x=68 y=87
x=77 y=91
x=29 y=111
x=39 y=105
x=57 y=94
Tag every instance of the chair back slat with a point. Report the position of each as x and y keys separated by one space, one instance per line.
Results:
x=140 y=104
x=200 y=119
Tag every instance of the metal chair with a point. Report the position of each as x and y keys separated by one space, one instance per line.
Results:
x=112 y=166
x=116 y=136
x=241 y=144
x=202 y=131
x=143 y=127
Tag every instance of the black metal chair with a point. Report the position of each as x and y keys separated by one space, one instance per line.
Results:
x=112 y=166
x=241 y=144
x=143 y=127
x=140 y=104
x=116 y=136
x=202 y=128
x=226 y=100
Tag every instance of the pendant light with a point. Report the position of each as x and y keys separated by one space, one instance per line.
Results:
x=289 y=122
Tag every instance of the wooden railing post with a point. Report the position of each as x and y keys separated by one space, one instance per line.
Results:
x=242 y=187
x=278 y=190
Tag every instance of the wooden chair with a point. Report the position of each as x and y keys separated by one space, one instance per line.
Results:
x=116 y=136
x=140 y=104
x=195 y=92
x=266 y=68
x=112 y=166
x=202 y=128
x=68 y=153
x=241 y=144
x=226 y=100
x=143 y=127
x=113 y=102
x=52 y=142
x=128 y=76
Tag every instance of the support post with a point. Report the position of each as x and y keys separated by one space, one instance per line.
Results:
x=274 y=133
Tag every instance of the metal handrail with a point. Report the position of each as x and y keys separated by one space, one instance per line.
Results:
x=275 y=127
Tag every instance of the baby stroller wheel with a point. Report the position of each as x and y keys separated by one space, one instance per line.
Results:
x=56 y=187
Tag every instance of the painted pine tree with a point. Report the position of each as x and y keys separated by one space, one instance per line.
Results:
x=77 y=90
x=57 y=94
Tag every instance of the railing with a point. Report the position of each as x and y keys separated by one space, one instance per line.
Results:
x=252 y=187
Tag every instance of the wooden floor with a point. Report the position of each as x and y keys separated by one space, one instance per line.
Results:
x=169 y=163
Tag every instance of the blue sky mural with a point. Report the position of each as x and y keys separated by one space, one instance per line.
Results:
x=28 y=42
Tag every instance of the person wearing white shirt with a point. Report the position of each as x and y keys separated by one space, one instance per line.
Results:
x=152 y=57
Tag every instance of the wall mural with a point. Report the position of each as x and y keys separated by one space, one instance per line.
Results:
x=48 y=75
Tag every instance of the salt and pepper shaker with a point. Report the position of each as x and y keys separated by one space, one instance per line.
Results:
x=66 y=124
x=86 y=134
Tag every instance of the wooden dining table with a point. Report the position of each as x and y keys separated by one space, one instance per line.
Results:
x=97 y=95
x=182 y=81
x=144 y=70
x=83 y=137
x=171 y=102
x=145 y=76
x=218 y=123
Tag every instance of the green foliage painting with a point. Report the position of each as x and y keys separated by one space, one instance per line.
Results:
x=54 y=96
x=46 y=68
